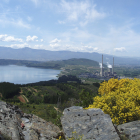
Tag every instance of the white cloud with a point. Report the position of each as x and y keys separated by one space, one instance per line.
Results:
x=116 y=39
x=81 y=11
x=93 y=14
x=29 y=38
x=122 y=49
x=61 y=22
x=83 y=23
x=41 y=40
x=19 y=45
x=35 y=2
x=55 y=41
x=87 y=48
x=96 y=49
x=54 y=45
x=7 y=38
x=29 y=19
x=21 y=24
x=38 y=47
x=4 y=20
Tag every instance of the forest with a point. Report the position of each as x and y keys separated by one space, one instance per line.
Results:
x=65 y=88
x=43 y=98
x=50 y=64
x=8 y=90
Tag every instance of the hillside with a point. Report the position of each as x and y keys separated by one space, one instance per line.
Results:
x=63 y=63
x=34 y=98
x=51 y=64
x=45 y=55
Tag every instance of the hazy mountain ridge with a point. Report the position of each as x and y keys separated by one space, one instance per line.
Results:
x=46 y=55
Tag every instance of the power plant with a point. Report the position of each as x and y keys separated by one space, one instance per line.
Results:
x=103 y=74
x=110 y=73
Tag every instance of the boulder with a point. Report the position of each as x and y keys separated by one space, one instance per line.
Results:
x=38 y=129
x=130 y=130
x=21 y=126
x=8 y=121
x=92 y=124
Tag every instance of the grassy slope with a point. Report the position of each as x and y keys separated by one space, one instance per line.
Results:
x=42 y=108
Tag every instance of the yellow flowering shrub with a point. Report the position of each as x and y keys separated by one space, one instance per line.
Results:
x=120 y=99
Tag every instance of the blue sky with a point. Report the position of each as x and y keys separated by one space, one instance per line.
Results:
x=103 y=26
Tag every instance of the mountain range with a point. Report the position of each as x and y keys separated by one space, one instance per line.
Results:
x=46 y=55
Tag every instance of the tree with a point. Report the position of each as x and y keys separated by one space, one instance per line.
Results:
x=86 y=98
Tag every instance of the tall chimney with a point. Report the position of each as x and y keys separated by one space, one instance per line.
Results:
x=102 y=67
x=113 y=66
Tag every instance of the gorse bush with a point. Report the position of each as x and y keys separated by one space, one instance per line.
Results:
x=120 y=99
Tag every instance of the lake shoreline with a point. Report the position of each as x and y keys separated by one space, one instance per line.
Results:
x=19 y=74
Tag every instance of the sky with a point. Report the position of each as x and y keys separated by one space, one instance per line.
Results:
x=103 y=26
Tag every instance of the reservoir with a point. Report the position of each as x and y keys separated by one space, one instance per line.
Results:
x=23 y=75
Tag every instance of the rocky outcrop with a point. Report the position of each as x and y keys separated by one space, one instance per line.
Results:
x=92 y=124
x=130 y=130
x=38 y=129
x=20 y=126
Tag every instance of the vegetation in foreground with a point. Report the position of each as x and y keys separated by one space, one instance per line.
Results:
x=48 y=112
x=50 y=99
x=120 y=99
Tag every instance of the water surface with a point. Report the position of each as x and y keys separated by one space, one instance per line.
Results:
x=23 y=75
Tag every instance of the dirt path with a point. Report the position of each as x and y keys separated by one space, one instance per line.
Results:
x=28 y=89
x=34 y=89
x=57 y=109
x=25 y=98
x=21 y=99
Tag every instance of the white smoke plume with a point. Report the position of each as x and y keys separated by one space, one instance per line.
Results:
x=100 y=64
x=108 y=65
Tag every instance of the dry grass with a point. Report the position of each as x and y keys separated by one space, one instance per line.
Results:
x=21 y=99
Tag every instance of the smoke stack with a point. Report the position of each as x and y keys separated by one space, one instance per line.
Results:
x=102 y=66
x=113 y=66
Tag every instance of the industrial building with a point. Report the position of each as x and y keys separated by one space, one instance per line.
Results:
x=110 y=73
x=102 y=75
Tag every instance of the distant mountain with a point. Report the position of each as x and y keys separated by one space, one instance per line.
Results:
x=45 y=55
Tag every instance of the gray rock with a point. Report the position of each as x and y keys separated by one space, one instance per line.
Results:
x=91 y=123
x=8 y=122
x=131 y=130
x=38 y=129
x=35 y=128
